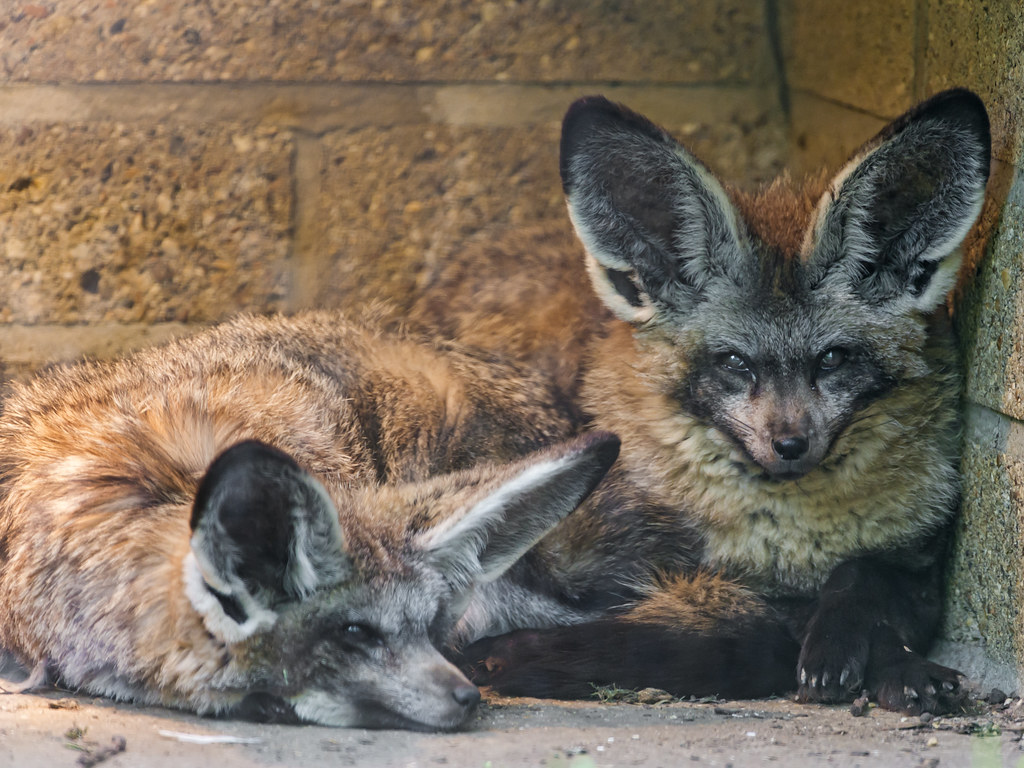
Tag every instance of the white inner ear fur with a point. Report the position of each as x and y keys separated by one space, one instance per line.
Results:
x=316 y=558
x=465 y=536
x=821 y=211
x=705 y=215
x=714 y=186
x=610 y=295
x=596 y=261
x=945 y=276
x=199 y=579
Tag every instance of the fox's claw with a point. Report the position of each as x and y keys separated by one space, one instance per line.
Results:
x=829 y=686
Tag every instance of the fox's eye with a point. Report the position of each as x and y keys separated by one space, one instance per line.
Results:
x=735 y=363
x=831 y=359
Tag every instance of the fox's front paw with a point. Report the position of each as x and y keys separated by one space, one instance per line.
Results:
x=831 y=667
x=836 y=667
x=495 y=661
x=908 y=682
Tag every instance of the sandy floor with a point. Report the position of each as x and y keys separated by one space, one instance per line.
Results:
x=51 y=731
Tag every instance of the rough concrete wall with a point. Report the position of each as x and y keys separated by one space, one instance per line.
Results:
x=168 y=164
x=851 y=67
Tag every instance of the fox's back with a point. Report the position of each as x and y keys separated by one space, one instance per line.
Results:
x=350 y=400
x=101 y=460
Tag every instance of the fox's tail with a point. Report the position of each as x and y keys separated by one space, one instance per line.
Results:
x=696 y=635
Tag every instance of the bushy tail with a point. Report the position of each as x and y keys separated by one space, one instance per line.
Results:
x=691 y=636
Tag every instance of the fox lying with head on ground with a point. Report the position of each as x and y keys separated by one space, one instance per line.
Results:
x=780 y=369
x=279 y=519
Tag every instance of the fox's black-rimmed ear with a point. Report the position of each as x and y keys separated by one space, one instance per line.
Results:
x=656 y=224
x=512 y=507
x=890 y=225
x=264 y=531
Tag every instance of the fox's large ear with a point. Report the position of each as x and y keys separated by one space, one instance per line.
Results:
x=656 y=224
x=512 y=509
x=890 y=226
x=264 y=531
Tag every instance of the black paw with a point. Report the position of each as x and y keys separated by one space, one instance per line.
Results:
x=832 y=666
x=504 y=663
x=912 y=684
x=835 y=668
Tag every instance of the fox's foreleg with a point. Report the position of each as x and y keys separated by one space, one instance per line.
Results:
x=697 y=635
x=874 y=622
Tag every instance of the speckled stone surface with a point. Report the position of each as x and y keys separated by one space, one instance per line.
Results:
x=395 y=200
x=107 y=222
x=739 y=131
x=138 y=188
x=860 y=53
x=986 y=578
x=22 y=347
x=986 y=589
x=980 y=45
x=392 y=199
x=825 y=135
x=297 y=40
x=990 y=318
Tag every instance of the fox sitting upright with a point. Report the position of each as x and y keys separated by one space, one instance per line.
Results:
x=780 y=369
x=169 y=523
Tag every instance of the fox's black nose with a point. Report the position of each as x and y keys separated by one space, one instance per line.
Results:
x=467 y=695
x=791 y=448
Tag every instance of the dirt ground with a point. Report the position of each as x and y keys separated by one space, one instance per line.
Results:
x=55 y=730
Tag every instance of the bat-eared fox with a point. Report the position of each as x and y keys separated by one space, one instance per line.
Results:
x=277 y=519
x=780 y=369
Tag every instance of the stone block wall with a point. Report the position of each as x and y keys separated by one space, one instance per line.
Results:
x=168 y=164
x=848 y=69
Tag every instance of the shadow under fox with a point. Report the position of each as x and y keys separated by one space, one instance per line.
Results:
x=780 y=369
x=279 y=519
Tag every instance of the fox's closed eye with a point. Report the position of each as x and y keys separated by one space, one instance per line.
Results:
x=362 y=633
